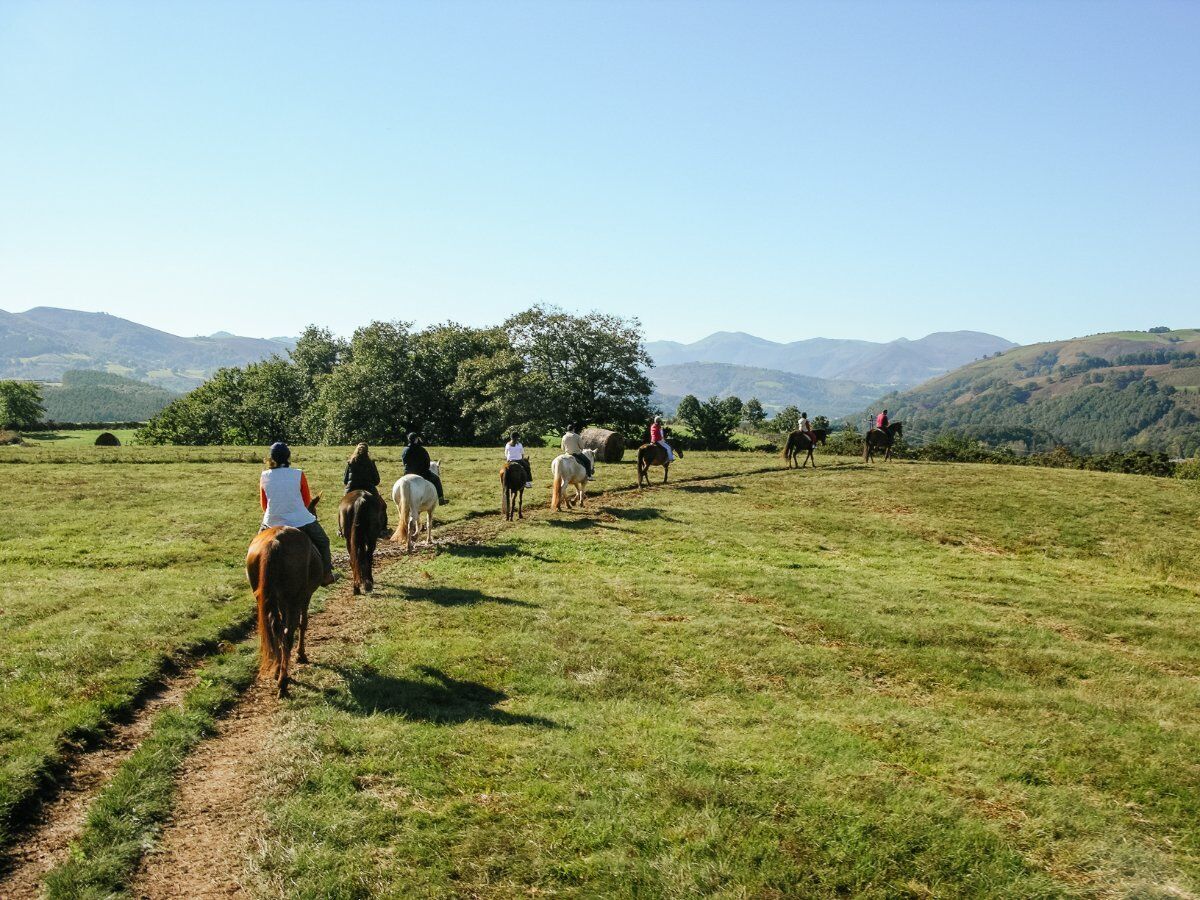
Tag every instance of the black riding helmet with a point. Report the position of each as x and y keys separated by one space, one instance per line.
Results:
x=413 y=438
x=281 y=453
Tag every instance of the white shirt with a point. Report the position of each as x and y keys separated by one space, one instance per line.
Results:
x=571 y=443
x=514 y=452
x=285 y=506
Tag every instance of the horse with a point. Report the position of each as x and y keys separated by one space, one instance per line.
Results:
x=799 y=441
x=882 y=438
x=284 y=569
x=569 y=472
x=654 y=455
x=415 y=495
x=360 y=519
x=512 y=486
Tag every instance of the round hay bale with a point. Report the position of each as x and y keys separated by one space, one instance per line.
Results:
x=107 y=439
x=609 y=445
x=10 y=437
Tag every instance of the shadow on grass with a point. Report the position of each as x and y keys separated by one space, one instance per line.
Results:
x=441 y=699
x=493 y=551
x=708 y=488
x=448 y=596
x=638 y=514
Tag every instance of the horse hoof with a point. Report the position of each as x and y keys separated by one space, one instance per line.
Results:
x=370 y=588
x=356 y=590
x=302 y=658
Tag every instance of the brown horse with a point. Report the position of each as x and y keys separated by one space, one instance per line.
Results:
x=799 y=441
x=882 y=439
x=512 y=485
x=654 y=455
x=284 y=569
x=361 y=520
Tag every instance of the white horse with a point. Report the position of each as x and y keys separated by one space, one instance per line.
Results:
x=569 y=473
x=415 y=495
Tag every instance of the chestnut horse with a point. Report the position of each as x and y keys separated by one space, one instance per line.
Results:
x=512 y=485
x=654 y=455
x=284 y=569
x=360 y=519
x=882 y=439
x=799 y=441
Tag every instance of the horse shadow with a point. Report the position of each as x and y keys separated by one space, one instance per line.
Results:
x=451 y=596
x=441 y=699
x=638 y=514
x=493 y=551
x=708 y=488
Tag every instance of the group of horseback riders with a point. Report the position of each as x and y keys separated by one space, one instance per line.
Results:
x=285 y=496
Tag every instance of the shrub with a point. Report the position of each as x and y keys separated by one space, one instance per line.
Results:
x=1189 y=469
x=847 y=442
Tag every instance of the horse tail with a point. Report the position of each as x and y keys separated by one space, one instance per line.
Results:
x=556 y=490
x=270 y=612
x=787 y=447
x=353 y=531
x=405 y=506
x=504 y=491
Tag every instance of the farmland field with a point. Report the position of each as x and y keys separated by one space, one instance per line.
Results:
x=923 y=679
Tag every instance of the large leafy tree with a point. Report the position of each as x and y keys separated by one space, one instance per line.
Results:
x=20 y=405
x=590 y=368
x=711 y=422
x=369 y=397
x=753 y=412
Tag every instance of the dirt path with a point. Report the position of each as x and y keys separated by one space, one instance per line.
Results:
x=60 y=819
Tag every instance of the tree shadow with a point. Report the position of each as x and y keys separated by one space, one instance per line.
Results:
x=493 y=551
x=449 y=596
x=442 y=699
x=708 y=488
x=573 y=524
x=45 y=436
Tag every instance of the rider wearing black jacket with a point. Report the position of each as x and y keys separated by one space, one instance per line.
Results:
x=416 y=462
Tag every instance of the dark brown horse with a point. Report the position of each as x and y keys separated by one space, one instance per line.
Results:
x=284 y=569
x=512 y=486
x=882 y=439
x=798 y=442
x=361 y=519
x=654 y=455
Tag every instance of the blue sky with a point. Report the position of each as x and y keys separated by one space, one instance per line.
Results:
x=793 y=170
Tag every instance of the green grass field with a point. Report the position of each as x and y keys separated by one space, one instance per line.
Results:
x=77 y=438
x=921 y=679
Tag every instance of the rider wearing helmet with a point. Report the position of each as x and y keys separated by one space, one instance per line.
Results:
x=363 y=475
x=416 y=462
x=657 y=436
x=515 y=452
x=573 y=444
x=285 y=497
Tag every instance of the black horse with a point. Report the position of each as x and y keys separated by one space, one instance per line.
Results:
x=361 y=518
x=882 y=439
x=799 y=441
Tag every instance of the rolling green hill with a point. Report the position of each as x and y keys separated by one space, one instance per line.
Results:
x=773 y=388
x=1113 y=391
x=101 y=397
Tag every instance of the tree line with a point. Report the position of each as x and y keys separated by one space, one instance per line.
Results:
x=538 y=371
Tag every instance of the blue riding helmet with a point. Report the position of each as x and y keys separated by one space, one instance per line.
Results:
x=280 y=452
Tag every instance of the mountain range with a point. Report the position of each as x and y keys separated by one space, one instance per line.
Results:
x=45 y=342
x=1114 y=391
x=900 y=363
x=773 y=389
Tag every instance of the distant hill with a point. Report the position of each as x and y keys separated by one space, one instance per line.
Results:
x=100 y=397
x=45 y=342
x=1121 y=390
x=901 y=363
x=774 y=389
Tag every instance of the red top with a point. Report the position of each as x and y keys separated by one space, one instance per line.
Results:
x=881 y=420
x=655 y=433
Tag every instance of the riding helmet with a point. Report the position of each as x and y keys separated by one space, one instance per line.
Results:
x=280 y=452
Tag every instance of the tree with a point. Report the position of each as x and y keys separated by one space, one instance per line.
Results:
x=20 y=405
x=733 y=406
x=688 y=409
x=820 y=423
x=753 y=412
x=712 y=422
x=591 y=368
x=786 y=420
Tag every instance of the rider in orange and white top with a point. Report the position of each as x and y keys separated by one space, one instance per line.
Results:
x=285 y=496
x=515 y=452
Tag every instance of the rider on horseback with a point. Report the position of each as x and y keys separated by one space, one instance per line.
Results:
x=416 y=462
x=573 y=444
x=514 y=452
x=657 y=437
x=881 y=421
x=363 y=475
x=285 y=498
x=804 y=426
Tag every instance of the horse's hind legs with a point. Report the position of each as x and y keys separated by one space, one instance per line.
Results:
x=301 y=655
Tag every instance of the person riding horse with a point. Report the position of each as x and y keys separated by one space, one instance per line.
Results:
x=285 y=498
x=804 y=426
x=657 y=437
x=416 y=462
x=515 y=452
x=363 y=475
x=573 y=444
x=881 y=421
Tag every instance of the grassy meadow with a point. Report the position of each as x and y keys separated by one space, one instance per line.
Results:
x=914 y=679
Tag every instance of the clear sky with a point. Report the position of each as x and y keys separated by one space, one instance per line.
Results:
x=848 y=169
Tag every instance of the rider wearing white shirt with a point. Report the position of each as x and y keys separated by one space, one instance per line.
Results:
x=573 y=444
x=514 y=452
